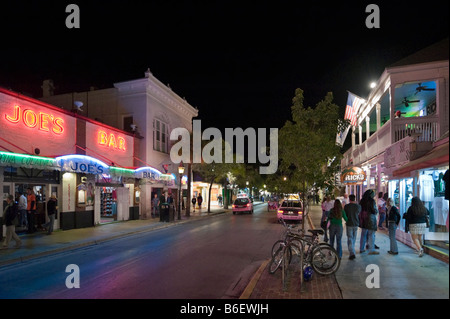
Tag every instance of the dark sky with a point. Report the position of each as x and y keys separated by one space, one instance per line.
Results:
x=238 y=62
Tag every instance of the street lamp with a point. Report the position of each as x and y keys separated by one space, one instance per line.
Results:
x=180 y=171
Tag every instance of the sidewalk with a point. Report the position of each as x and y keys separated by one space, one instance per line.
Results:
x=40 y=244
x=402 y=276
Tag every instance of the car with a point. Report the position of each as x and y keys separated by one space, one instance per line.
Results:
x=290 y=209
x=242 y=204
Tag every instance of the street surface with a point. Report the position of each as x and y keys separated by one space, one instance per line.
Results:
x=201 y=259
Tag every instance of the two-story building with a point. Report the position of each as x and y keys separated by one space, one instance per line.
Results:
x=401 y=136
x=147 y=109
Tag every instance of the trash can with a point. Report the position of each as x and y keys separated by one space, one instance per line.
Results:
x=171 y=213
x=164 y=212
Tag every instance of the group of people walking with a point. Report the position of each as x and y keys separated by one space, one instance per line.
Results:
x=21 y=212
x=369 y=216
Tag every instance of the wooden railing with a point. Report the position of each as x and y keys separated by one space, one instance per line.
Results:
x=421 y=129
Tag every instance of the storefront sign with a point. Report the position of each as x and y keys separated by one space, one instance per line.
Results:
x=42 y=121
x=81 y=164
x=149 y=173
x=111 y=141
x=113 y=145
x=398 y=153
x=23 y=160
x=353 y=175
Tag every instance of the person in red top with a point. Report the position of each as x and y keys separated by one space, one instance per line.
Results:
x=31 y=210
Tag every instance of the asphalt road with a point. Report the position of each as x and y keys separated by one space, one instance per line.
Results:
x=208 y=259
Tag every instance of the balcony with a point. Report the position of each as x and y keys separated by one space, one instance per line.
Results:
x=421 y=129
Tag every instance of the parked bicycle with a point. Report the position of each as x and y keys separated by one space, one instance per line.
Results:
x=282 y=253
x=322 y=257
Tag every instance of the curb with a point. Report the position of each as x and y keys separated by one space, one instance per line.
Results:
x=87 y=243
x=251 y=285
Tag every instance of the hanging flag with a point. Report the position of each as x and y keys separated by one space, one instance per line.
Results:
x=353 y=104
x=341 y=136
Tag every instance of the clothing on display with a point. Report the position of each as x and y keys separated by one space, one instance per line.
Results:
x=426 y=184
x=440 y=207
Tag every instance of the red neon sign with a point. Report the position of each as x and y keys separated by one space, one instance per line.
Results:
x=111 y=141
x=43 y=121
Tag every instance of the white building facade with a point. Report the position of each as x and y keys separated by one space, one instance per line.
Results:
x=148 y=109
x=400 y=137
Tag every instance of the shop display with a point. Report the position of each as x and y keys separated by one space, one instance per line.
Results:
x=106 y=200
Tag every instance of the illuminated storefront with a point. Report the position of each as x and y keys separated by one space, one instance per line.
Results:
x=425 y=177
x=81 y=161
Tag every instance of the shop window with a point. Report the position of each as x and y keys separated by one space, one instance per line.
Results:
x=431 y=190
x=401 y=191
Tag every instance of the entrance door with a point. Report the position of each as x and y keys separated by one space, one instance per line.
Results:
x=123 y=203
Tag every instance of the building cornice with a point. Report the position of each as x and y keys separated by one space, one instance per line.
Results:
x=161 y=92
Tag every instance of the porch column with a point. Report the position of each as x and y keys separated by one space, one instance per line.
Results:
x=360 y=134
x=392 y=110
x=367 y=127
x=378 y=110
x=353 y=138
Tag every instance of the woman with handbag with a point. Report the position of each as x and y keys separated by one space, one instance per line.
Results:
x=417 y=220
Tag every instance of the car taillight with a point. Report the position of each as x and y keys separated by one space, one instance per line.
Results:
x=233 y=206
x=280 y=211
x=248 y=205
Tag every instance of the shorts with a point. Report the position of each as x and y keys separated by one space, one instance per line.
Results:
x=417 y=229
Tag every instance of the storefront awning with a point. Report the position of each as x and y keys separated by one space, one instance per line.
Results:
x=437 y=156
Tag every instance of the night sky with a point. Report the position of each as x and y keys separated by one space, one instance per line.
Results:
x=238 y=62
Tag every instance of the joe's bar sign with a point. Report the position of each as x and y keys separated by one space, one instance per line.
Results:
x=353 y=175
x=42 y=121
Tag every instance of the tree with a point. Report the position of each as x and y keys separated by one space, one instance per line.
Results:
x=307 y=150
x=217 y=172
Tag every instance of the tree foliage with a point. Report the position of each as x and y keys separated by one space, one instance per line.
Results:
x=307 y=149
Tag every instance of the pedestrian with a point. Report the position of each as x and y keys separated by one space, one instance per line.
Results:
x=381 y=203
x=327 y=205
x=155 y=205
x=199 y=201
x=345 y=200
x=352 y=210
x=193 y=201
x=416 y=219
x=23 y=222
x=368 y=222
x=51 y=212
x=336 y=229
x=10 y=215
x=219 y=198
x=31 y=210
x=393 y=218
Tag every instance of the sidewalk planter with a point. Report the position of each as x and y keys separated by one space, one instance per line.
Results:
x=134 y=212
x=81 y=219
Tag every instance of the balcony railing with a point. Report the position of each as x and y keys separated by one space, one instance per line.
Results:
x=421 y=129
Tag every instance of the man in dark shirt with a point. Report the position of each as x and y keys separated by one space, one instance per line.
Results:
x=352 y=211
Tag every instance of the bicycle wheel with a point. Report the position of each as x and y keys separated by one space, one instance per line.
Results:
x=277 y=257
x=277 y=245
x=325 y=259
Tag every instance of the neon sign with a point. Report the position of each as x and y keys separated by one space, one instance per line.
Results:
x=81 y=164
x=43 y=121
x=111 y=141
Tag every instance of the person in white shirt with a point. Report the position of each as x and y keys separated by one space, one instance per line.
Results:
x=23 y=210
x=345 y=200
x=326 y=207
x=381 y=203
